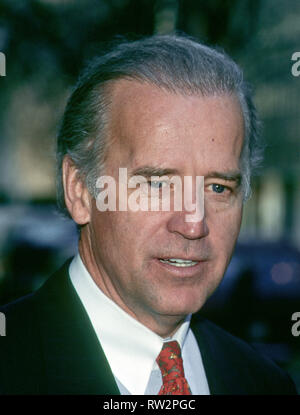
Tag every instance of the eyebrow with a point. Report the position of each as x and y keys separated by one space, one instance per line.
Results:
x=230 y=176
x=148 y=171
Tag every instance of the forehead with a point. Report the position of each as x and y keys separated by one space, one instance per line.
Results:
x=148 y=124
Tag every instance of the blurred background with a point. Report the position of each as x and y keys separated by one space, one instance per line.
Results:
x=46 y=43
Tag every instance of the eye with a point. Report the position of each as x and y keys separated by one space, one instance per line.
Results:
x=218 y=188
x=156 y=184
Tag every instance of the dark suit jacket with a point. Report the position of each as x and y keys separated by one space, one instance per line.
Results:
x=51 y=348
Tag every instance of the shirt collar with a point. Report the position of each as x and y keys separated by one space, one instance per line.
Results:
x=130 y=347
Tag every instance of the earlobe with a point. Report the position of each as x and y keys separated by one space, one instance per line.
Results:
x=77 y=197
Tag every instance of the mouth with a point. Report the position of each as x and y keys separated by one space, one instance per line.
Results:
x=183 y=267
x=179 y=262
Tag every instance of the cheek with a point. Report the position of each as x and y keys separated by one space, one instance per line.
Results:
x=224 y=228
x=118 y=234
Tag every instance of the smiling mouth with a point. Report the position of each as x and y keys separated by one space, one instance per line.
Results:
x=178 y=262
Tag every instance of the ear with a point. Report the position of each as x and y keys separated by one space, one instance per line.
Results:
x=77 y=197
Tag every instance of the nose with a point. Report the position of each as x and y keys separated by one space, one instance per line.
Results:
x=190 y=230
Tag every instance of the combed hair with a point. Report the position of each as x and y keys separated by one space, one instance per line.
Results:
x=177 y=64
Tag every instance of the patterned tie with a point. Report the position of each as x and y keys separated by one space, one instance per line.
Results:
x=170 y=363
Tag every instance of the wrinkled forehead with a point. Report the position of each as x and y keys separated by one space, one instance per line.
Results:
x=147 y=119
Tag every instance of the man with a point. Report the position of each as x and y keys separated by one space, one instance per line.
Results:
x=120 y=317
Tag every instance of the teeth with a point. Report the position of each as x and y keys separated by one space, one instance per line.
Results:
x=177 y=262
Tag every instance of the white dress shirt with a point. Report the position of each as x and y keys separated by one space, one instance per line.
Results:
x=130 y=347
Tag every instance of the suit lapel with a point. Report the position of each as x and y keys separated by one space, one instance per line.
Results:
x=74 y=361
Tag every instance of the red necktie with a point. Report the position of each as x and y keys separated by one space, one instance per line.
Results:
x=170 y=363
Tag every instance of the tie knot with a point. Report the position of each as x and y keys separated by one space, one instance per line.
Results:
x=169 y=360
x=170 y=363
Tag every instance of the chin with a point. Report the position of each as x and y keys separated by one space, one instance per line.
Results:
x=183 y=308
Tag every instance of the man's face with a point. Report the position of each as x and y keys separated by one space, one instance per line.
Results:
x=192 y=136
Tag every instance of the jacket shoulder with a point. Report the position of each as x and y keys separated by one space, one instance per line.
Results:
x=242 y=367
x=22 y=346
x=22 y=313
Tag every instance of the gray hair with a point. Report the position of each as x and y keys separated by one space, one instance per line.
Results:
x=177 y=64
